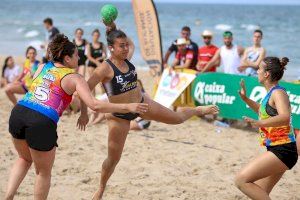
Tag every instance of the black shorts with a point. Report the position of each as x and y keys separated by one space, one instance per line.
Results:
x=128 y=116
x=287 y=153
x=38 y=130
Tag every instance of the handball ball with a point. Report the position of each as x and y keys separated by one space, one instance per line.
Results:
x=109 y=13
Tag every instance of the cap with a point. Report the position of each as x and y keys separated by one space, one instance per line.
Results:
x=207 y=33
x=227 y=34
x=181 y=41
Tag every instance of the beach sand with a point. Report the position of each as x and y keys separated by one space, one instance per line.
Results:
x=189 y=161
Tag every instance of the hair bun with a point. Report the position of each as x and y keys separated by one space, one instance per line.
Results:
x=60 y=38
x=284 y=61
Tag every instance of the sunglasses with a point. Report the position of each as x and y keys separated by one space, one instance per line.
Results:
x=206 y=37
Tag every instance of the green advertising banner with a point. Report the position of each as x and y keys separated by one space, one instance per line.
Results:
x=222 y=90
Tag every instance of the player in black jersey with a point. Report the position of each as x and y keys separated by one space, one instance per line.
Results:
x=81 y=45
x=96 y=51
x=119 y=78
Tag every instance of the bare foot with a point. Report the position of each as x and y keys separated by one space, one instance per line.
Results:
x=207 y=110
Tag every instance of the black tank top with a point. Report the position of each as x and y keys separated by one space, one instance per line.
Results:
x=121 y=82
x=81 y=49
x=96 y=53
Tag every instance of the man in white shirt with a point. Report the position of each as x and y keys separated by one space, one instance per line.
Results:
x=229 y=55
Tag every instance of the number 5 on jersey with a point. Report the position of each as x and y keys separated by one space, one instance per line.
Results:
x=42 y=93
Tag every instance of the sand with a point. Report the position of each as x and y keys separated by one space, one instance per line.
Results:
x=195 y=160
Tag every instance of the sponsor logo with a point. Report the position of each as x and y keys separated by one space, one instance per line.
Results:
x=212 y=94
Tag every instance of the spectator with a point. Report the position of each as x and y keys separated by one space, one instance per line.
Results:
x=10 y=71
x=206 y=53
x=253 y=55
x=82 y=46
x=185 y=33
x=229 y=55
x=185 y=58
x=51 y=32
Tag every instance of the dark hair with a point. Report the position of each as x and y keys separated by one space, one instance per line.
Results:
x=113 y=34
x=48 y=20
x=276 y=67
x=96 y=31
x=5 y=65
x=258 y=31
x=186 y=28
x=60 y=47
x=28 y=49
x=79 y=29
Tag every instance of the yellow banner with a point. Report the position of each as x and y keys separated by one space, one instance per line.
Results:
x=149 y=33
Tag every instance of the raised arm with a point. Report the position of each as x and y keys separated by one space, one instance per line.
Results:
x=243 y=94
x=131 y=49
x=104 y=52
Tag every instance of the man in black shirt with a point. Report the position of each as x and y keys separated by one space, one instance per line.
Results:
x=185 y=33
x=51 y=32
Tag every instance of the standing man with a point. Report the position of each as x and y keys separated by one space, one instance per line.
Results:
x=50 y=34
x=253 y=55
x=206 y=53
x=185 y=33
x=229 y=55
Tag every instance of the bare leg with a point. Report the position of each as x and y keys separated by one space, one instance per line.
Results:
x=19 y=169
x=118 y=130
x=160 y=113
x=265 y=165
x=43 y=161
x=12 y=89
x=298 y=143
x=269 y=182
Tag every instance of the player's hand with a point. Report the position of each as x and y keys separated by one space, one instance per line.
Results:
x=243 y=92
x=254 y=123
x=140 y=108
x=82 y=121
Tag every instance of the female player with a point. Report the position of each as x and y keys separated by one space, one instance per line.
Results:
x=81 y=45
x=21 y=85
x=33 y=120
x=258 y=178
x=119 y=79
x=96 y=52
